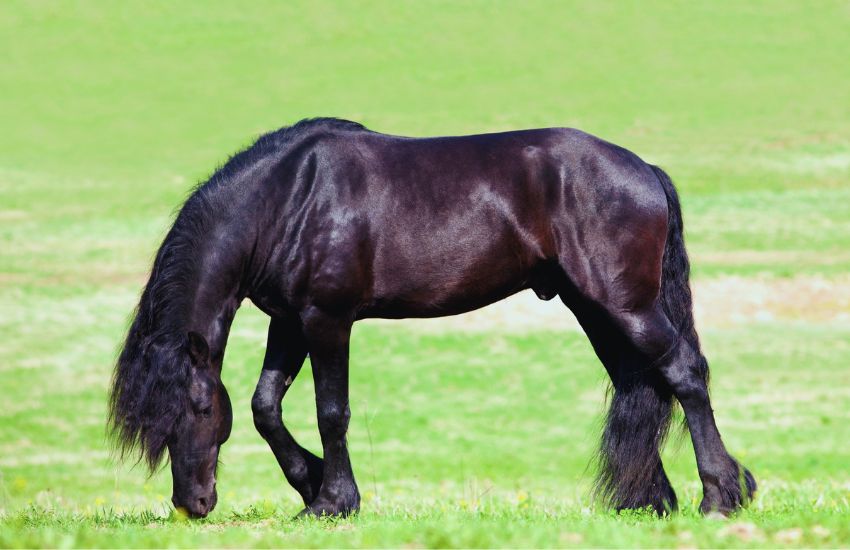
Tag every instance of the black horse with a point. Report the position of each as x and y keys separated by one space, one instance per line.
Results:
x=325 y=222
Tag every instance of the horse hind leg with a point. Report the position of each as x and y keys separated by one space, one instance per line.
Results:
x=630 y=471
x=285 y=353
x=676 y=358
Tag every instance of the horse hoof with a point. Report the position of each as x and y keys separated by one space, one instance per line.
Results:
x=324 y=509
x=729 y=492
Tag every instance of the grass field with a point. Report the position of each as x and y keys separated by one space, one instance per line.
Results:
x=461 y=435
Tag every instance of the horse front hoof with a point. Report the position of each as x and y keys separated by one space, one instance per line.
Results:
x=728 y=492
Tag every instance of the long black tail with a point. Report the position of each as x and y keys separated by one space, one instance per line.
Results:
x=676 y=297
x=631 y=474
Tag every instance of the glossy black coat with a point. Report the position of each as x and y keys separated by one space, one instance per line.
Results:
x=324 y=223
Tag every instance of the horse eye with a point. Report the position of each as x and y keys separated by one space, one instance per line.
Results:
x=206 y=412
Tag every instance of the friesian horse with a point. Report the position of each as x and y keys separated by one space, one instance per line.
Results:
x=324 y=223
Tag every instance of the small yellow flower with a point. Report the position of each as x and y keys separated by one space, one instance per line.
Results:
x=521 y=497
x=180 y=514
x=99 y=501
x=19 y=484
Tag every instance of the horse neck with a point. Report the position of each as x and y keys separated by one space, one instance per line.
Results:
x=215 y=298
x=197 y=279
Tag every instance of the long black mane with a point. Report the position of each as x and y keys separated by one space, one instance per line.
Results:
x=150 y=381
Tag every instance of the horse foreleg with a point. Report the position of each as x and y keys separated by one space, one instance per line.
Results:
x=328 y=339
x=285 y=353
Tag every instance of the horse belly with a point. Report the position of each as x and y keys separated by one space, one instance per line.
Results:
x=445 y=274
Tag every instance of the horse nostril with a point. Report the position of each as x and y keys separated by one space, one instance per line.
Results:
x=203 y=501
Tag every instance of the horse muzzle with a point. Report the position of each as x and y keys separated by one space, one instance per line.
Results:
x=196 y=507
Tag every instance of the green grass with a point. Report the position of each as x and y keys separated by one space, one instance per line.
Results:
x=475 y=439
x=490 y=525
x=111 y=111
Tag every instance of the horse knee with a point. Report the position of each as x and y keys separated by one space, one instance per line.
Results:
x=266 y=413
x=333 y=419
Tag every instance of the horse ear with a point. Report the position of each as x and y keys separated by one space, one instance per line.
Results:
x=199 y=351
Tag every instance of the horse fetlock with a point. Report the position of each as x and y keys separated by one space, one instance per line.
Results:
x=305 y=473
x=315 y=473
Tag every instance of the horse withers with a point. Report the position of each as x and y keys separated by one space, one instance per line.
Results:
x=324 y=223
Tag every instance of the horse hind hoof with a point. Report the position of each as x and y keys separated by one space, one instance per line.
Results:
x=732 y=492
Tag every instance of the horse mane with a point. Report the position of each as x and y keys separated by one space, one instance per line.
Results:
x=275 y=142
x=151 y=376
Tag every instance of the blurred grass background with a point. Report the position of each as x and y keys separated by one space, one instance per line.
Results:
x=112 y=111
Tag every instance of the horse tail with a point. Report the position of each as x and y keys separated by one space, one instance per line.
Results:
x=676 y=299
x=631 y=475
